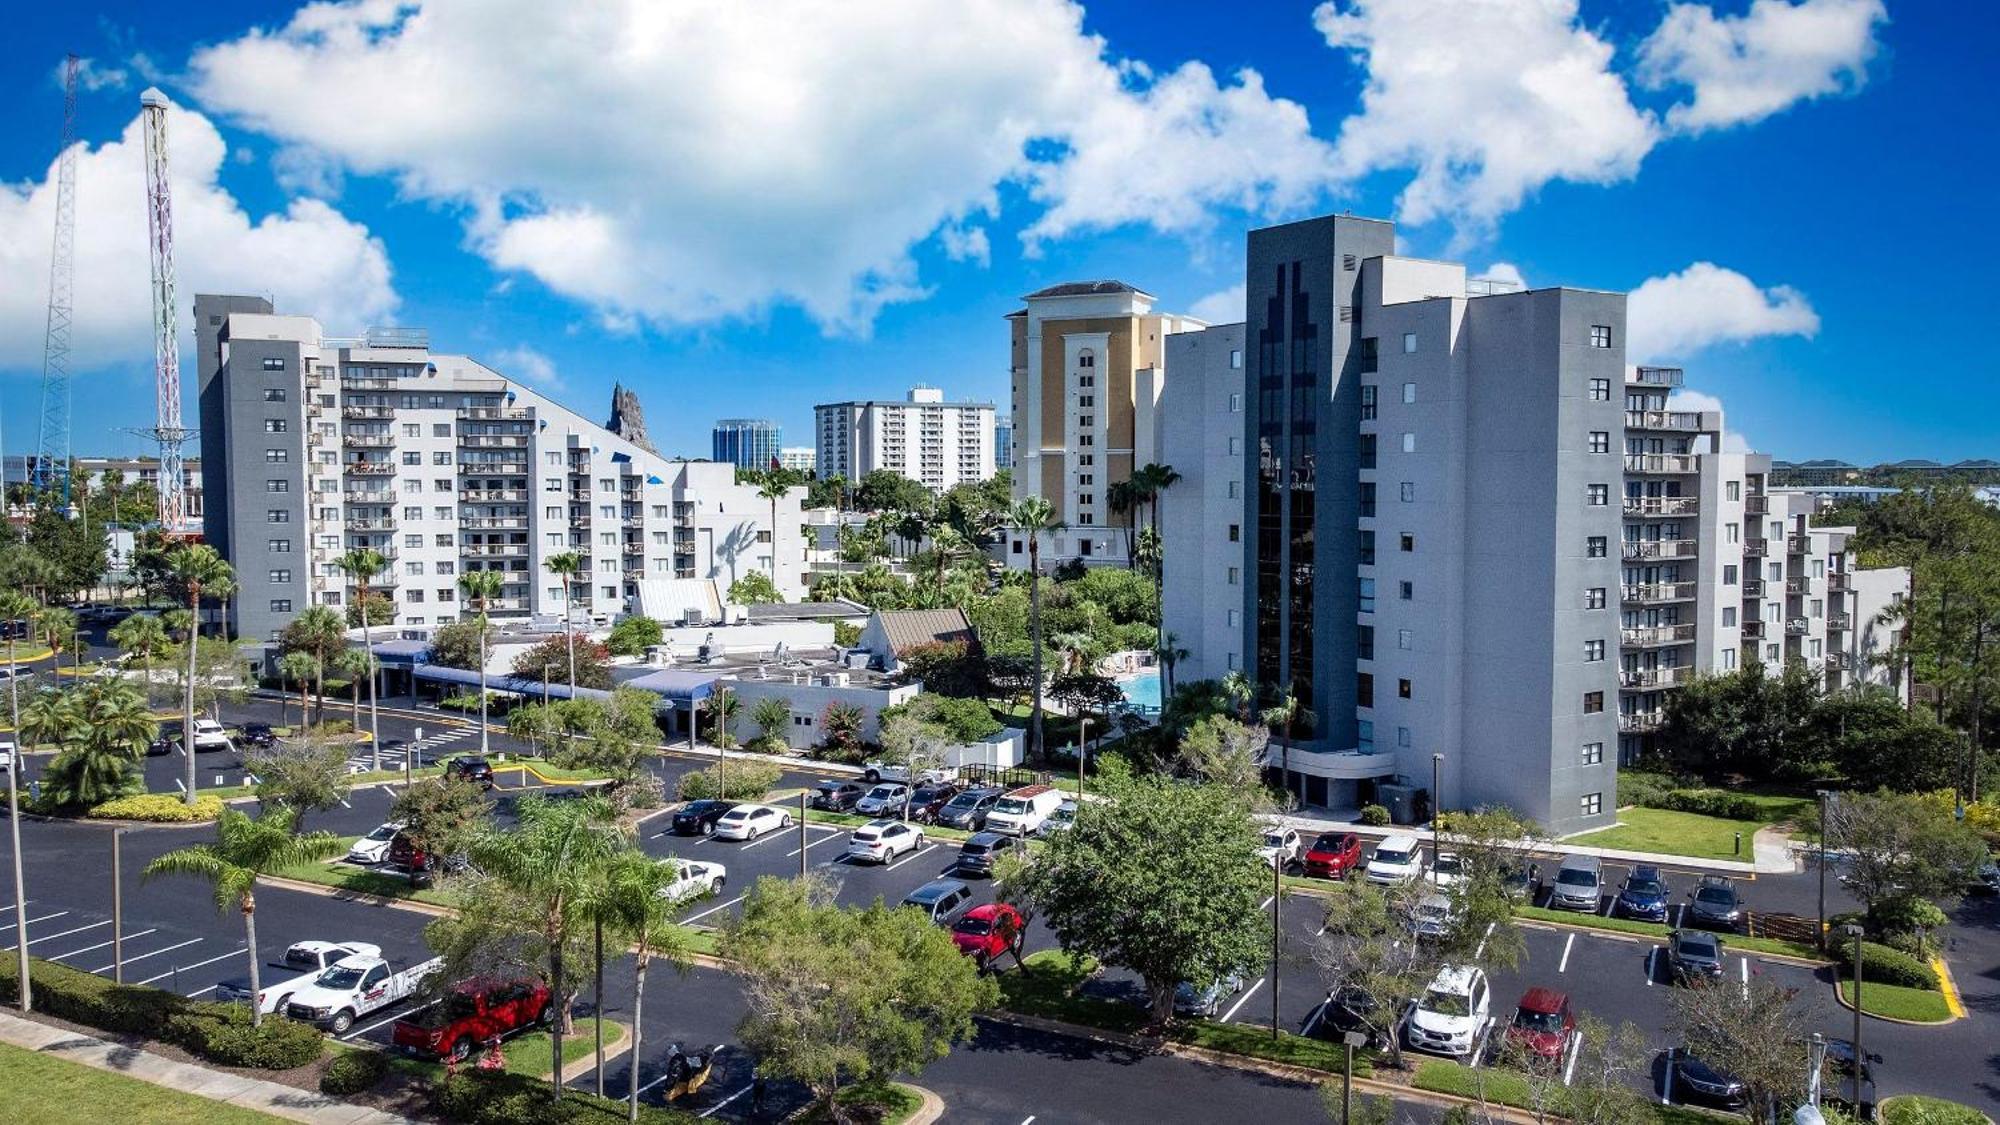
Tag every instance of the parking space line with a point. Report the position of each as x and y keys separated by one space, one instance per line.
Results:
x=1609 y=904
x=1312 y=1021
x=1481 y=951
x=32 y=942
x=1030 y=1120
x=46 y=918
x=1743 y=971
x=196 y=965
x=811 y=844
x=101 y=945
x=1241 y=1000
x=1652 y=959
x=1266 y=904
x=202 y=991
x=773 y=834
x=711 y=1110
x=711 y=910
x=154 y=953
x=1563 y=965
x=1575 y=1053
x=927 y=849
x=385 y=1019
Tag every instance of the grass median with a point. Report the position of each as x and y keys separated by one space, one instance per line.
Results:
x=55 y=1091
x=1916 y=1109
x=1659 y=930
x=1892 y=1001
x=1496 y=1086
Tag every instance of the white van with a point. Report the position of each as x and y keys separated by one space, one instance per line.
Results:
x=1023 y=811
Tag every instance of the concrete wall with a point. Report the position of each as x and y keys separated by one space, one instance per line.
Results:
x=809 y=701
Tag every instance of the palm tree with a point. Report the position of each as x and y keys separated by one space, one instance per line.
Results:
x=197 y=567
x=1034 y=515
x=58 y=628
x=361 y=565
x=358 y=664
x=14 y=606
x=143 y=636
x=298 y=668
x=108 y=728
x=1158 y=479
x=636 y=905
x=551 y=858
x=839 y=483
x=1281 y=715
x=567 y=566
x=321 y=631
x=481 y=587
x=948 y=547
x=53 y=717
x=1171 y=653
x=245 y=849
x=1237 y=688
x=772 y=486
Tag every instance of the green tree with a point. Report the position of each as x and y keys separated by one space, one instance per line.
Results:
x=1222 y=751
x=638 y=908
x=954 y=668
x=199 y=570
x=1034 y=516
x=101 y=728
x=633 y=635
x=773 y=716
x=840 y=996
x=827 y=492
x=319 y=632
x=568 y=566
x=299 y=669
x=773 y=486
x=302 y=775
x=143 y=637
x=1746 y=722
x=58 y=629
x=1191 y=913
x=441 y=815
x=456 y=645
x=1754 y=1032
x=361 y=565
x=1900 y=849
x=589 y=661
x=840 y=729
x=480 y=588
x=370 y=608
x=78 y=553
x=754 y=588
x=356 y=665
x=244 y=851
x=885 y=490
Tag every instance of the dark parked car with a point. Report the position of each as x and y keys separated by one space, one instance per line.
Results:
x=941 y=900
x=967 y=811
x=1695 y=955
x=1522 y=882
x=1715 y=903
x=163 y=745
x=978 y=855
x=473 y=768
x=16 y=630
x=258 y=734
x=836 y=796
x=697 y=818
x=1697 y=1081
x=1349 y=1008
x=1644 y=895
x=420 y=866
x=929 y=800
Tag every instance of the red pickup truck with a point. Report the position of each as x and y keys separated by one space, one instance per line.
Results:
x=472 y=1014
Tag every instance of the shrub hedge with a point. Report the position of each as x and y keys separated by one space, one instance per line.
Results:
x=503 y=1098
x=1883 y=965
x=747 y=781
x=354 y=1072
x=220 y=1033
x=158 y=808
x=1375 y=816
x=1705 y=802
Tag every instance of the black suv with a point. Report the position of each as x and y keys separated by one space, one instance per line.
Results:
x=697 y=818
x=258 y=734
x=474 y=768
x=837 y=796
x=978 y=855
x=1695 y=955
x=1715 y=904
x=967 y=811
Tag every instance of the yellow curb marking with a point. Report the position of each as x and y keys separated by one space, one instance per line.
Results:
x=1949 y=987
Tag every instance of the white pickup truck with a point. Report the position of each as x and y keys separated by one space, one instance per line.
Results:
x=879 y=770
x=354 y=988
x=315 y=957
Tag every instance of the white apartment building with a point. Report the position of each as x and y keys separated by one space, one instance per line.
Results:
x=798 y=458
x=936 y=443
x=1201 y=584
x=313 y=445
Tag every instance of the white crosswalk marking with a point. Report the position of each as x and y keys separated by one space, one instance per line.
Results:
x=363 y=759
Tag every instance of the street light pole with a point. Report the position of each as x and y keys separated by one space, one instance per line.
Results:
x=1082 y=752
x=1819 y=935
x=1277 y=887
x=1860 y=1056
x=20 y=888
x=117 y=907
x=1437 y=808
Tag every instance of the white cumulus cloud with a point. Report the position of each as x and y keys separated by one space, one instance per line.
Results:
x=1504 y=271
x=310 y=258
x=685 y=163
x=528 y=365
x=91 y=75
x=1745 y=68
x=1224 y=307
x=1675 y=315
x=1484 y=102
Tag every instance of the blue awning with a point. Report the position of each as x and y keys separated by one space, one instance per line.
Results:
x=620 y=458
x=677 y=685
x=437 y=673
x=401 y=653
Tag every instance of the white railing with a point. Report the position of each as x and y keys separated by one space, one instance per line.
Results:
x=1662 y=463
x=1657 y=635
x=1659 y=592
x=1660 y=548
x=1661 y=505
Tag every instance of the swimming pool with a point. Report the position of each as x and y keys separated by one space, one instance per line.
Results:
x=1142 y=691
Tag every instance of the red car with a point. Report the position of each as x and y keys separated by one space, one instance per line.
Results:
x=1333 y=854
x=1544 y=1024
x=472 y=1014
x=988 y=931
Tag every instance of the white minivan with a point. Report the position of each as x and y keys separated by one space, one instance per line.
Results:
x=1397 y=861
x=1023 y=811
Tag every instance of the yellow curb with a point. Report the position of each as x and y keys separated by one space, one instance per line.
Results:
x=1949 y=987
x=29 y=658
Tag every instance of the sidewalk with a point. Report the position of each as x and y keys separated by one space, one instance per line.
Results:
x=278 y=1100
x=1773 y=854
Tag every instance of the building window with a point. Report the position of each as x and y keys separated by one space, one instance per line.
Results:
x=275 y=426
x=274 y=394
x=274 y=363
x=277 y=515
x=1364 y=642
x=1367 y=452
x=1593 y=598
x=281 y=576
x=1590 y=804
x=1409 y=491
x=1600 y=390
x=1406 y=590
x=413 y=541
x=1234 y=575
x=1728 y=658
x=1599 y=495
x=441 y=457
x=1732 y=533
x=1367 y=548
x=1370 y=358
x=1364 y=689
x=1236 y=400
x=1409 y=347
x=1235 y=490
x=1600 y=441
x=277 y=456
x=414 y=595
x=1086 y=359
x=1595 y=547
x=281 y=605
x=278 y=546
x=277 y=486
x=1593 y=702
x=1408 y=542
x=1729 y=574
x=1593 y=651
x=411 y=457
x=1729 y=617
x=1593 y=753
x=1235 y=360
x=1405 y=639
x=1600 y=335
x=1367 y=595
x=1404 y=690
x=1409 y=442
x=1367 y=397
x=1235 y=533
x=1364 y=736
x=1732 y=490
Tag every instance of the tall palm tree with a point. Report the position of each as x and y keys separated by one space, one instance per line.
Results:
x=636 y=906
x=947 y=547
x=1034 y=515
x=1158 y=479
x=361 y=565
x=1281 y=715
x=1171 y=653
x=358 y=664
x=839 y=483
x=567 y=566
x=57 y=627
x=481 y=587
x=197 y=567
x=772 y=486
x=108 y=726
x=551 y=858
x=143 y=636
x=245 y=849
x=322 y=631
x=14 y=606
x=298 y=668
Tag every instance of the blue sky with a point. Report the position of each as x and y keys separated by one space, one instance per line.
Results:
x=744 y=213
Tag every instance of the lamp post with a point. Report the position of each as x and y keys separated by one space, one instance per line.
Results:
x=545 y=683
x=1082 y=752
x=1437 y=808
x=1277 y=888
x=1819 y=935
x=13 y=757
x=1350 y=1040
x=1860 y=1056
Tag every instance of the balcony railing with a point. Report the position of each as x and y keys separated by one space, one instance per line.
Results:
x=493 y=468
x=1838 y=623
x=369 y=496
x=1659 y=549
x=489 y=550
x=1662 y=463
x=1659 y=593
x=367 y=383
x=1648 y=636
x=1797 y=544
x=493 y=495
x=371 y=525
x=1757 y=547
x=1662 y=420
x=1800 y=585
x=1796 y=626
x=492 y=523
x=367 y=441
x=369 y=468
x=1639 y=678
x=1753 y=629
x=495 y=412
x=1757 y=504
x=1839 y=661
x=493 y=441
x=1640 y=722
x=1838 y=582
x=1753 y=587
x=1656 y=376
x=1661 y=505
x=377 y=412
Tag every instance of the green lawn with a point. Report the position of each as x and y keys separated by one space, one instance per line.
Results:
x=1915 y=1109
x=529 y=1054
x=1898 y=1003
x=893 y=1103
x=1506 y=1087
x=1688 y=834
x=54 y=1091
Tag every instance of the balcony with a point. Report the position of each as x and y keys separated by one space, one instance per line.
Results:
x=1656 y=376
x=494 y=523
x=1797 y=544
x=1662 y=463
x=380 y=413
x=1753 y=629
x=1653 y=636
x=1796 y=626
x=1661 y=505
x=1636 y=549
x=367 y=441
x=491 y=550
x=1640 y=722
x=369 y=468
x=1757 y=504
x=493 y=495
x=493 y=441
x=1641 y=678
x=633 y=521
x=1800 y=585
x=493 y=468
x=579 y=523
x=1839 y=623
x=367 y=383
x=1659 y=593
x=494 y=412
x=1757 y=547
x=385 y=524
x=1753 y=588
x=1839 y=661
x=369 y=496
x=1662 y=420
x=1838 y=582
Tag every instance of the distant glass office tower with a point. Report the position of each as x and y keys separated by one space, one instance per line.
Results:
x=747 y=443
x=1003 y=445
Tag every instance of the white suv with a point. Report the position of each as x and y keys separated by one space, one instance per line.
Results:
x=880 y=841
x=1397 y=861
x=1453 y=1014
x=209 y=735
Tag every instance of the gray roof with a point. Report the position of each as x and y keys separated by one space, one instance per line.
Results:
x=907 y=628
x=1085 y=289
x=807 y=611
